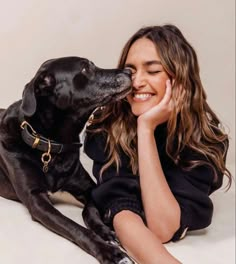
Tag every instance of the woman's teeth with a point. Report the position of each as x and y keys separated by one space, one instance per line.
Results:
x=142 y=96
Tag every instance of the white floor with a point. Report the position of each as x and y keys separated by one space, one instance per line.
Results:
x=28 y=242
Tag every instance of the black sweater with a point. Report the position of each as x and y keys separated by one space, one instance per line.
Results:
x=120 y=191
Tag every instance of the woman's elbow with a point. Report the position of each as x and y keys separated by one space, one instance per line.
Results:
x=164 y=232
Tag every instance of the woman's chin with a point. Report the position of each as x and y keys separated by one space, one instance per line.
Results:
x=140 y=107
x=137 y=111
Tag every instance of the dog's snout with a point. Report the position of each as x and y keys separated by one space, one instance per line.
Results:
x=120 y=78
x=124 y=75
x=127 y=71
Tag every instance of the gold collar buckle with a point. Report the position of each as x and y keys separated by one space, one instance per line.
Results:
x=46 y=157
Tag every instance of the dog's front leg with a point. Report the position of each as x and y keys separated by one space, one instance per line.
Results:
x=43 y=211
x=92 y=219
x=80 y=187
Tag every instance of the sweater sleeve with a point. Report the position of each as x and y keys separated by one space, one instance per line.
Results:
x=116 y=190
x=192 y=190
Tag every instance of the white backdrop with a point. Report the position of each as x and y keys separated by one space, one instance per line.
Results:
x=32 y=31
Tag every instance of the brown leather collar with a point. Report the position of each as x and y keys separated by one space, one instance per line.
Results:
x=37 y=141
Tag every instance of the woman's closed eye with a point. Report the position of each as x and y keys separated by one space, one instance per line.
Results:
x=153 y=72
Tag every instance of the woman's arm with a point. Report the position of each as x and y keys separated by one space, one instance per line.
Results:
x=162 y=211
x=139 y=241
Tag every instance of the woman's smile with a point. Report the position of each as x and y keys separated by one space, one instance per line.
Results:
x=142 y=97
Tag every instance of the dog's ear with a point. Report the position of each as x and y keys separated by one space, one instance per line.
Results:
x=40 y=85
x=28 y=105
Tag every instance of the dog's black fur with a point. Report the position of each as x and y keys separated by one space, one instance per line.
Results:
x=57 y=103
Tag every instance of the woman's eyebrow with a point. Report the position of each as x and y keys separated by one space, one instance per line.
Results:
x=153 y=62
x=128 y=65
x=146 y=63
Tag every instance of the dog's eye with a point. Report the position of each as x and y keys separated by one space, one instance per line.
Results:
x=84 y=71
x=81 y=79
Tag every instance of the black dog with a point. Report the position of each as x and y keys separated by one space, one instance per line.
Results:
x=39 y=147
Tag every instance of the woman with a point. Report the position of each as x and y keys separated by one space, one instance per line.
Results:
x=159 y=153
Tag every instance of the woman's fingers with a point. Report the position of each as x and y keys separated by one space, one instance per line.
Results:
x=167 y=97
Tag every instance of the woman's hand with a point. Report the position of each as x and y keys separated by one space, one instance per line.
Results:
x=159 y=113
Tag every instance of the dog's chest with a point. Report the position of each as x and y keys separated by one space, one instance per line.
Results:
x=61 y=170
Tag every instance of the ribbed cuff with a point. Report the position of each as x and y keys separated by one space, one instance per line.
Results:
x=119 y=205
x=181 y=232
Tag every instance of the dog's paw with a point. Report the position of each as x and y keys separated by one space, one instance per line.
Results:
x=110 y=254
x=109 y=236
x=126 y=260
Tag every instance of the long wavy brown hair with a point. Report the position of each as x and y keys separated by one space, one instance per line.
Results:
x=192 y=123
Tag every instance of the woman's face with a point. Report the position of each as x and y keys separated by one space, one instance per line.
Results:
x=148 y=76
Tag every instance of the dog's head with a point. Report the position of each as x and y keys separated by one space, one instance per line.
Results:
x=74 y=84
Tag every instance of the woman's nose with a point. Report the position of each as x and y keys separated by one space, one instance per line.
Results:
x=138 y=80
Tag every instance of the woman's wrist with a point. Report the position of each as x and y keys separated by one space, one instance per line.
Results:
x=144 y=126
x=143 y=130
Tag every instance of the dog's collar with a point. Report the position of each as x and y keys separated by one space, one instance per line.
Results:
x=37 y=141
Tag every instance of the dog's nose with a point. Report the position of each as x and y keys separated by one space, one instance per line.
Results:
x=127 y=71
